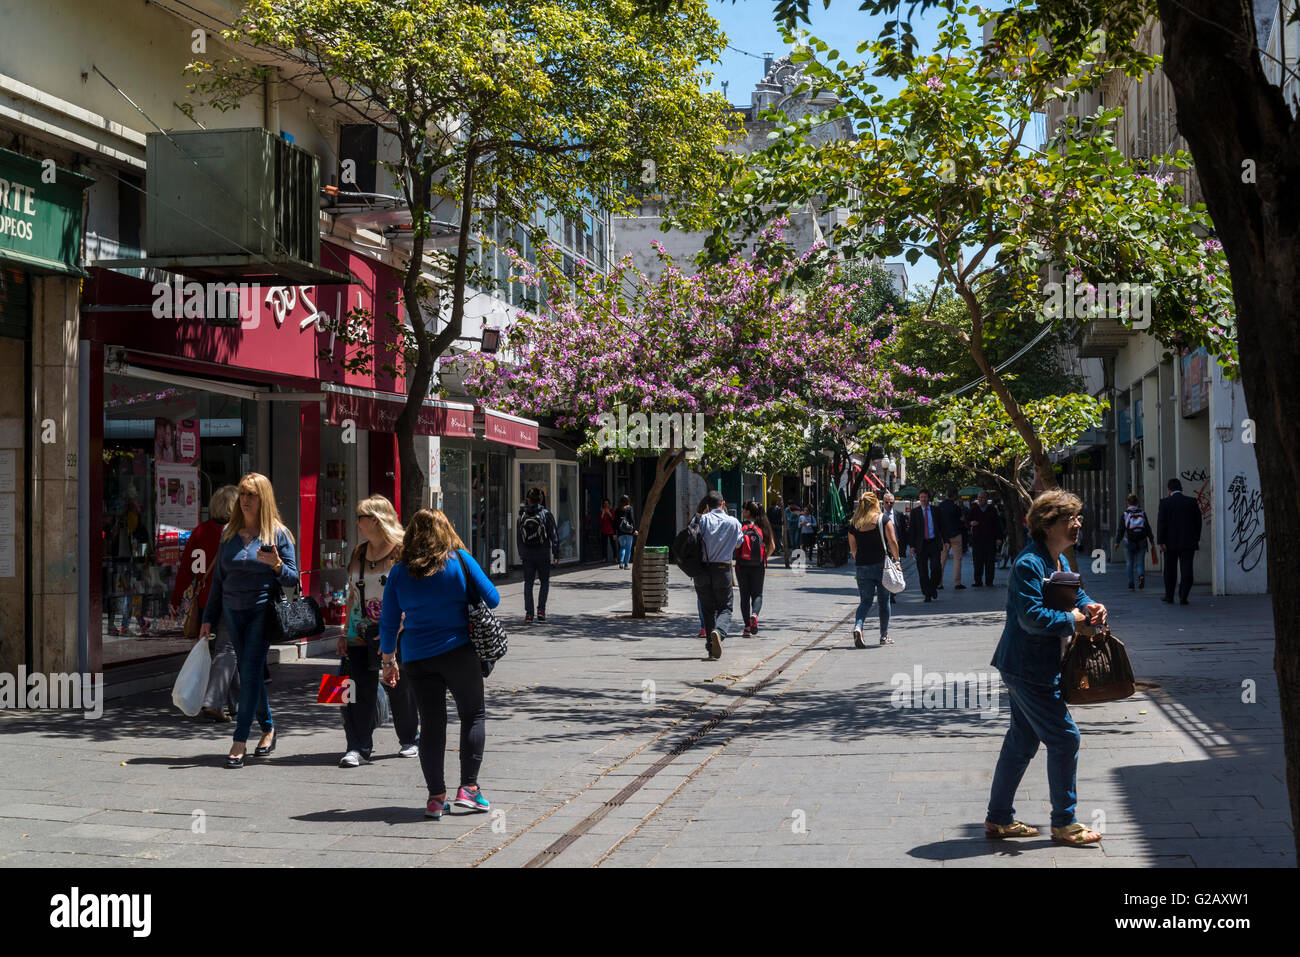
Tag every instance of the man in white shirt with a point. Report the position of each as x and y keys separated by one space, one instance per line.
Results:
x=721 y=534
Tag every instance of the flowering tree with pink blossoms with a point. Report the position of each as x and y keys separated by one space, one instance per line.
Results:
x=730 y=348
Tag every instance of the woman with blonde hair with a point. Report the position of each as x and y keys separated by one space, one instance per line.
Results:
x=205 y=540
x=433 y=586
x=1029 y=658
x=380 y=548
x=871 y=537
x=254 y=563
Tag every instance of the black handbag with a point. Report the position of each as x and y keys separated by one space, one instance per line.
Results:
x=1096 y=668
x=292 y=619
x=485 y=632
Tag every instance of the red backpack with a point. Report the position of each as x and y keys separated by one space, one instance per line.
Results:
x=750 y=551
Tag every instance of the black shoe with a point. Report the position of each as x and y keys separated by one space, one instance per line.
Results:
x=1142 y=581
x=1130 y=586
x=976 y=585
x=959 y=587
x=541 y=616
x=940 y=586
x=263 y=752
x=232 y=763
x=1182 y=601
x=1167 y=601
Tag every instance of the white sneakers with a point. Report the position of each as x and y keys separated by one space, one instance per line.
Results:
x=350 y=760
x=410 y=751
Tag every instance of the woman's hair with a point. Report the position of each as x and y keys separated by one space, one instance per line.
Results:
x=604 y=502
x=430 y=540
x=1132 y=498
x=268 y=515
x=222 y=503
x=385 y=516
x=867 y=513
x=759 y=518
x=1048 y=509
x=625 y=501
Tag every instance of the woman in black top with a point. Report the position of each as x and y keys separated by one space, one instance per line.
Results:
x=751 y=564
x=625 y=528
x=868 y=544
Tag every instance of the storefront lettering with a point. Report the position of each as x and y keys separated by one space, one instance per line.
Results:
x=284 y=299
x=22 y=200
x=1246 y=508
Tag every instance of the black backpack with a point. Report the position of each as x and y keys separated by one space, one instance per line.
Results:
x=532 y=528
x=688 y=547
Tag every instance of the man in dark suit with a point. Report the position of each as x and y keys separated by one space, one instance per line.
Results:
x=926 y=543
x=1178 y=533
x=986 y=538
x=952 y=521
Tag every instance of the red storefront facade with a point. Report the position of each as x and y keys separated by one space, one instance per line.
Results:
x=180 y=405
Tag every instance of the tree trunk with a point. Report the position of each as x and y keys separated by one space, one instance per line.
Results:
x=668 y=460
x=1017 y=500
x=1235 y=121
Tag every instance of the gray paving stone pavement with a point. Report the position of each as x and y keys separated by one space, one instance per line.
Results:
x=812 y=764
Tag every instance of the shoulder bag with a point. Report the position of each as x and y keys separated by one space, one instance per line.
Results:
x=892 y=578
x=292 y=619
x=485 y=632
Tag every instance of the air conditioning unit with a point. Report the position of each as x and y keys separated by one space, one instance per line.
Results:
x=232 y=193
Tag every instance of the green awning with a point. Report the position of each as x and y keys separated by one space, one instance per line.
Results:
x=40 y=215
x=907 y=491
x=969 y=491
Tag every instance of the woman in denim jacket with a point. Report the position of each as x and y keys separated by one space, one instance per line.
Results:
x=1029 y=658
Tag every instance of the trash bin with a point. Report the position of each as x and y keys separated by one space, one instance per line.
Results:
x=654 y=578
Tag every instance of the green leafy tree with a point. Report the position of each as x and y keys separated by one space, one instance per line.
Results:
x=500 y=108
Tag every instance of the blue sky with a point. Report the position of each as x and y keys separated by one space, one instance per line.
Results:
x=750 y=28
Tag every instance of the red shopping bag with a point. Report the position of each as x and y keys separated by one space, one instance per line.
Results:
x=1155 y=556
x=334 y=689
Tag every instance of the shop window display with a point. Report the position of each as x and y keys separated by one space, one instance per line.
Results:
x=338 y=503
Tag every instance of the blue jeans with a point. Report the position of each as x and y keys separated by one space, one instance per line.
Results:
x=247 y=633
x=1136 y=559
x=871 y=586
x=625 y=549
x=1038 y=713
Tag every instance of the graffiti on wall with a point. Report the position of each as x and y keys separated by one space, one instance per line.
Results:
x=1204 y=491
x=1247 y=510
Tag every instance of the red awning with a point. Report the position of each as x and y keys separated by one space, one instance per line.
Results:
x=378 y=412
x=874 y=482
x=509 y=429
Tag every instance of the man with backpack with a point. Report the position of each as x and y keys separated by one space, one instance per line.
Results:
x=538 y=544
x=704 y=551
x=1135 y=533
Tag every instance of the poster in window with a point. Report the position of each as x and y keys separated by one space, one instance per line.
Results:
x=1196 y=382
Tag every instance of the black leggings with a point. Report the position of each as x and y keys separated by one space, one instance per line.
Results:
x=457 y=671
x=750 y=580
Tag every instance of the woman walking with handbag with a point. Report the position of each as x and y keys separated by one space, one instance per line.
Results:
x=871 y=538
x=1029 y=658
x=381 y=547
x=205 y=541
x=625 y=525
x=255 y=562
x=433 y=586
x=751 y=564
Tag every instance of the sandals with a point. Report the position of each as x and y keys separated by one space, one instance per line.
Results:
x=1075 y=834
x=1014 y=829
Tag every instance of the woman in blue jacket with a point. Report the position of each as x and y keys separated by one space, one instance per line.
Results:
x=255 y=561
x=1029 y=658
x=430 y=586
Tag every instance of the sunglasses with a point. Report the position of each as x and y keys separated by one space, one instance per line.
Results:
x=362 y=515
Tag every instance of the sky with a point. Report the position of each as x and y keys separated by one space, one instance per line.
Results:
x=752 y=32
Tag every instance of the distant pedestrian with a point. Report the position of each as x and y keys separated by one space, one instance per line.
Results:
x=608 y=543
x=751 y=563
x=205 y=541
x=792 y=514
x=887 y=513
x=1029 y=658
x=538 y=545
x=380 y=548
x=625 y=526
x=807 y=532
x=1178 y=531
x=255 y=563
x=431 y=587
x=951 y=526
x=721 y=534
x=776 y=520
x=985 y=537
x=926 y=542
x=1135 y=533
x=871 y=538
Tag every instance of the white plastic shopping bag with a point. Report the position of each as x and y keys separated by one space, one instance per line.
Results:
x=192 y=682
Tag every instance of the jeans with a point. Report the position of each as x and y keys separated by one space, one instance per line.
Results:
x=456 y=671
x=750 y=579
x=871 y=586
x=536 y=567
x=247 y=633
x=625 y=549
x=223 y=683
x=713 y=588
x=359 y=716
x=1038 y=713
x=1137 y=556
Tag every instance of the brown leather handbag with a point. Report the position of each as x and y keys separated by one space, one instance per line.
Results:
x=1096 y=668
